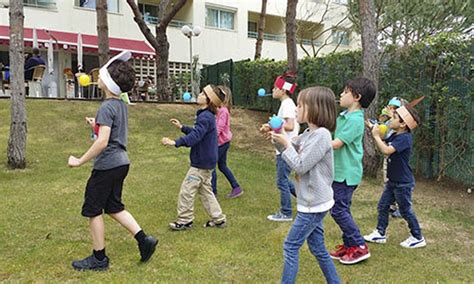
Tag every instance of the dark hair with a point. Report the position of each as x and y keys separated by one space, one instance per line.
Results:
x=413 y=114
x=36 y=51
x=362 y=87
x=320 y=106
x=123 y=74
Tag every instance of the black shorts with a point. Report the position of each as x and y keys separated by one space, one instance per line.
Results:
x=104 y=192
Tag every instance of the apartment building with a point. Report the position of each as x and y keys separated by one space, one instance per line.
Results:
x=229 y=30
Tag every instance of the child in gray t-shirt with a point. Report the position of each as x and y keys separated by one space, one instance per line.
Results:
x=111 y=164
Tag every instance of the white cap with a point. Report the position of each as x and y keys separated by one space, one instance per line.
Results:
x=105 y=76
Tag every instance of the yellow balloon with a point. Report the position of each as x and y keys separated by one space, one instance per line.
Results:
x=383 y=129
x=84 y=80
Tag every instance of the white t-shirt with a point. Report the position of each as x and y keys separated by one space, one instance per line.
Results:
x=288 y=110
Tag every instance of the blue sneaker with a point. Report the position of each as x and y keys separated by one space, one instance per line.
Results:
x=279 y=217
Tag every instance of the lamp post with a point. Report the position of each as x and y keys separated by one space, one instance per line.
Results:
x=189 y=33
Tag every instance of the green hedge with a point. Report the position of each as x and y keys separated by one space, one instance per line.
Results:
x=438 y=68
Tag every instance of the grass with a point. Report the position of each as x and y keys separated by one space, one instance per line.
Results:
x=42 y=231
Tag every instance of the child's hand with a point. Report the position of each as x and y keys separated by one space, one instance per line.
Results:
x=176 y=123
x=265 y=128
x=168 y=142
x=280 y=138
x=390 y=111
x=376 y=131
x=73 y=162
x=90 y=121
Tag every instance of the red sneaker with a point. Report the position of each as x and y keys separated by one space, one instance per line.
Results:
x=339 y=252
x=355 y=254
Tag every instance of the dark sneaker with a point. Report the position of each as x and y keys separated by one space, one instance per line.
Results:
x=355 y=254
x=91 y=263
x=175 y=226
x=213 y=224
x=396 y=214
x=147 y=248
x=338 y=253
x=236 y=192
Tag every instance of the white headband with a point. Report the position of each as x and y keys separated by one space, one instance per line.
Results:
x=105 y=76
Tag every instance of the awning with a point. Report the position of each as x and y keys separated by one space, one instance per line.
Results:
x=137 y=47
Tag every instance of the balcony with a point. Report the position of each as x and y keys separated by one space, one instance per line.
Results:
x=267 y=36
x=151 y=20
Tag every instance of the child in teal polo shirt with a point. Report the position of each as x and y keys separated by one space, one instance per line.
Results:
x=348 y=152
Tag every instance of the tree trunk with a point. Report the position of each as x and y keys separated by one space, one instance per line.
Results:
x=102 y=31
x=291 y=35
x=370 y=62
x=16 y=150
x=261 y=28
x=163 y=89
x=160 y=41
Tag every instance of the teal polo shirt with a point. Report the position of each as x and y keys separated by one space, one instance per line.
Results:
x=348 y=158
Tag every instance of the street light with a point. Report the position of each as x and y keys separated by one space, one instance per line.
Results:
x=189 y=33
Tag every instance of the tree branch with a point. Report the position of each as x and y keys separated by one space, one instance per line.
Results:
x=138 y=18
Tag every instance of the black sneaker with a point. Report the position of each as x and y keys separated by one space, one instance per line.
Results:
x=212 y=224
x=91 y=263
x=147 y=248
x=175 y=226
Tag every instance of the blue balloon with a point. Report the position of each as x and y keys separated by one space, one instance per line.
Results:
x=261 y=92
x=186 y=96
x=276 y=122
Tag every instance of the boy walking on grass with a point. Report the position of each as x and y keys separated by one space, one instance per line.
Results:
x=400 y=183
x=111 y=164
x=348 y=152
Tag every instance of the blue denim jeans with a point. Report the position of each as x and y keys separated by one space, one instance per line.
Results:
x=341 y=213
x=285 y=186
x=402 y=193
x=309 y=227
x=222 y=165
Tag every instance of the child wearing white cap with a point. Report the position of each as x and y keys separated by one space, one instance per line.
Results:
x=109 y=151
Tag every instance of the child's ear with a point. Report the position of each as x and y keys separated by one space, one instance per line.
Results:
x=357 y=97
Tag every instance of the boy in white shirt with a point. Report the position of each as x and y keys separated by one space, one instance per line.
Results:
x=284 y=87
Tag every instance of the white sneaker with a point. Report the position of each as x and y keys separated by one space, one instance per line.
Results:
x=375 y=237
x=413 y=242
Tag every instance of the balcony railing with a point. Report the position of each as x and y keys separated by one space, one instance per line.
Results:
x=267 y=36
x=46 y=4
x=316 y=42
x=174 y=23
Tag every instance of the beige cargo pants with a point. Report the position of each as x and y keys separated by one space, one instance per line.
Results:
x=198 y=181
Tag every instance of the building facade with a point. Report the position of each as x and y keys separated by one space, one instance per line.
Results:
x=229 y=30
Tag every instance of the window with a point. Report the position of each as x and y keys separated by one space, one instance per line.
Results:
x=40 y=3
x=149 y=12
x=220 y=18
x=340 y=37
x=112 y=5
x=252 y=27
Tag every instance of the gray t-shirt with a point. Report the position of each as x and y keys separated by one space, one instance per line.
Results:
x=114 y=114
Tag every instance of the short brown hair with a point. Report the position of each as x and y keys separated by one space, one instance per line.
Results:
x=320 y=106
x=123 y=74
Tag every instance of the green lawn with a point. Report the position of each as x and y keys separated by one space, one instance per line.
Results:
x=42 y=231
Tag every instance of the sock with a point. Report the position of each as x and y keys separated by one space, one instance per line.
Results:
x=140 y=236
x=99 y=254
